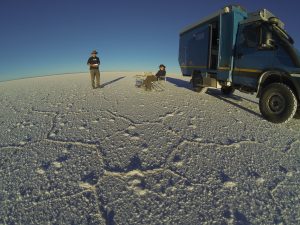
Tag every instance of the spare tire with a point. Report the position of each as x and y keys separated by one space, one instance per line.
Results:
x=274 y=20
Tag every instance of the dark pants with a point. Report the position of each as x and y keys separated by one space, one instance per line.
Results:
x=161 y=77
x=95 y=74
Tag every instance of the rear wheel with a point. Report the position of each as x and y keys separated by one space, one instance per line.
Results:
x=227 y=90
x=197 y=82
x=278 y=103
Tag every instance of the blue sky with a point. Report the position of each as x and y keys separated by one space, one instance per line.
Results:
x=40 y=37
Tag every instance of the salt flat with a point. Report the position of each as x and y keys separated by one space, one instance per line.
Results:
x=121 y=155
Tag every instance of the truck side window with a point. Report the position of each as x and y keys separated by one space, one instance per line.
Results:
x=251 y=36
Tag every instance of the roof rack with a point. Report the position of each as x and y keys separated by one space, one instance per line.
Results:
x=226 y=9
x=263 y=15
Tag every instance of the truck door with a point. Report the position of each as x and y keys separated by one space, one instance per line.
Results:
x=213 y=46
x=250 y=61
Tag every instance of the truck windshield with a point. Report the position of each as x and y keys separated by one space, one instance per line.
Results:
x=283 y=34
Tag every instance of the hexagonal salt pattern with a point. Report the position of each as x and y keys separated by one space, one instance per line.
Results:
x=122 y=155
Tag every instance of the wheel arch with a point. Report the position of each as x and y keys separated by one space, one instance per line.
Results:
x=277 y=76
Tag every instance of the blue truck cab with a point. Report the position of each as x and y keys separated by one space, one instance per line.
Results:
x=251 y=52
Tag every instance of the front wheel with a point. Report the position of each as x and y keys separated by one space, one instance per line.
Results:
x=278 y=103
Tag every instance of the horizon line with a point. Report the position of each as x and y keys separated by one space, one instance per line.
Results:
x=57 y=74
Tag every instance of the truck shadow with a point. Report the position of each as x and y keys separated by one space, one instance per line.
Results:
x=110 y=82
x=228 y=99
x=248 y=100
x=179 y=83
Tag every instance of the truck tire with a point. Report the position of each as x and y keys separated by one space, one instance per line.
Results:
x=278 y=103
x=197 y=84
x=227 y=90
x=274 y=20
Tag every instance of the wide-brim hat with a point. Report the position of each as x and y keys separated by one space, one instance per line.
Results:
x=94 y=52
x=162 y=65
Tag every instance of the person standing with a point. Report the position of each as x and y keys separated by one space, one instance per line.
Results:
x=94 y=63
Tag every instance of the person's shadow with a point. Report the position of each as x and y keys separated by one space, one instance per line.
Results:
x=180 y=83
x=110 y=82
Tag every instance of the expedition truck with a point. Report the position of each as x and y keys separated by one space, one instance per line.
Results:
x=250 y=52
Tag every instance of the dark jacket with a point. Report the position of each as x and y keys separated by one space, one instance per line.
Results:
x=161 y=73
x=93 y=60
